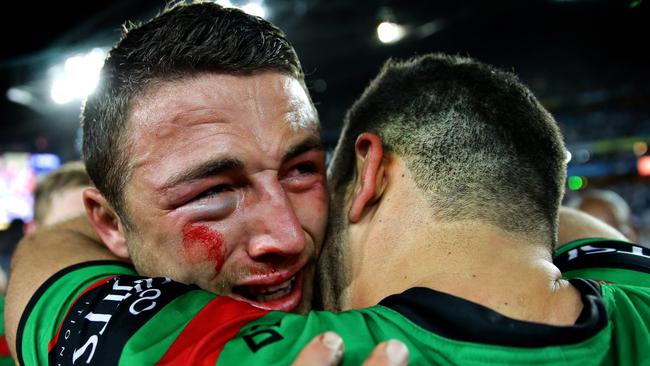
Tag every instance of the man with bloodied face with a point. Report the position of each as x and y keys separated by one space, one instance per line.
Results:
x=212 y=172
x=224 y=186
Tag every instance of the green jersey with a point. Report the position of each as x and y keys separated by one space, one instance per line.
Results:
x=103 y=314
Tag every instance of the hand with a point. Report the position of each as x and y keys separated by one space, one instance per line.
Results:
x=327 y=350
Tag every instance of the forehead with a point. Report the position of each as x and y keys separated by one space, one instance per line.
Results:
x=221 y=95
x=254 y=118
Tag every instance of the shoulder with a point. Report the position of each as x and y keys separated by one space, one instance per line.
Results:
x=43 y=312
x=42 y=254
x=628 y=309
x=605 y=260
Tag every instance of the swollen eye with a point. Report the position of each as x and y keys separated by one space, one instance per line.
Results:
x=213 y=209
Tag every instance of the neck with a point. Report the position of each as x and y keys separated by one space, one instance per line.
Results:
x=403 y=247
x=510 y=274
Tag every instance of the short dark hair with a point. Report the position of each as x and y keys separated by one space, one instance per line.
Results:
x=183 y=40
x=478 y=143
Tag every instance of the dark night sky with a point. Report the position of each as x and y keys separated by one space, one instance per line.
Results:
x=563 y=49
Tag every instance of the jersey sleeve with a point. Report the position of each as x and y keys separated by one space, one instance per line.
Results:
x=47 y=307
x=605 y=260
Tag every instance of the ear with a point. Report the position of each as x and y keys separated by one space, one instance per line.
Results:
x=105 y=221
x=371 y=180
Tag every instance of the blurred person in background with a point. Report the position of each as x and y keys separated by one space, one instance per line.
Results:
x=608 y=206
x=58 y=196
x=9 y=238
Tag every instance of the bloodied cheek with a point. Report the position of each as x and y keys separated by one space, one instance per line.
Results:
x=202 y=244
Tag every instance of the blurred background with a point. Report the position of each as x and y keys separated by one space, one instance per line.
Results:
x=587 y=61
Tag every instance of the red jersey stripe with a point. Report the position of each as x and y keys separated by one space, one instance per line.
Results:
x=202 y=340
x=4 y=347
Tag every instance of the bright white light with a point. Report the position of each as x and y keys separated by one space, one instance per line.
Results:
x=390 y=32
x=225 y=3
x=78 y=77
x=20 y=96
x=568 y=157
x=254 y=9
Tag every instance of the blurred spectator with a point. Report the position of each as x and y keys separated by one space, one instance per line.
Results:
x=609 y=207
x=8 y=240
x=58 y=195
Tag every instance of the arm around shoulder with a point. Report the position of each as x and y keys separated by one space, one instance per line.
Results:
x=41 y=255
x=575 y=224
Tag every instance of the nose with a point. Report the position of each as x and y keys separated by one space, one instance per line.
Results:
x=276 y=230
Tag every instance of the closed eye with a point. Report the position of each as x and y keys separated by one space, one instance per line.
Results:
x=214 y=191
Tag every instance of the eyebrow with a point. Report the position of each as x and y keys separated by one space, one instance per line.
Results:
x=309 y=144
x=205 y=170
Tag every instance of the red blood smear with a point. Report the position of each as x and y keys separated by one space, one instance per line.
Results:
x=203 y=244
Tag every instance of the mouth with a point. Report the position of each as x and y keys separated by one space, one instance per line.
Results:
x=285 y=295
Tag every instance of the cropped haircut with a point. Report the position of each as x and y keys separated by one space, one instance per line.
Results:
x=477 y=142
x=182 y=41
x=70 y=175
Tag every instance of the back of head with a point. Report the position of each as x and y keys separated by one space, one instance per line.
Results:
x=477 y=142
x=182 y=41
x=70 y=175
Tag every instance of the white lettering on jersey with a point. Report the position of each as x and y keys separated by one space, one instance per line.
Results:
x=146 y=293
x=152 y=304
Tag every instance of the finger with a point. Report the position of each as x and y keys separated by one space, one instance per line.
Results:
x=324 y=350
x=389 y=353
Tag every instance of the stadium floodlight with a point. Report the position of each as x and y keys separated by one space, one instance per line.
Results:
x=255 y=9
x=389 y=32
x=77 y=77
x=225 y=3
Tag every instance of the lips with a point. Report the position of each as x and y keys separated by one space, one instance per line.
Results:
x=273 y=295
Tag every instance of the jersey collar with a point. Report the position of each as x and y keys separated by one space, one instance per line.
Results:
x=462 y=320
